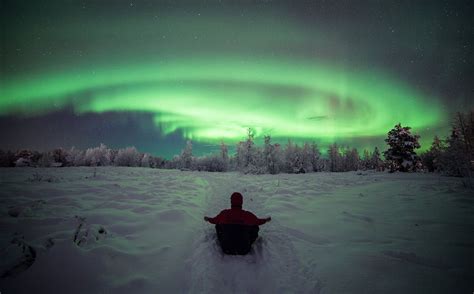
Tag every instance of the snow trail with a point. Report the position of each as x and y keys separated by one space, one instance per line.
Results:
x=135 y=230
x=271 y=267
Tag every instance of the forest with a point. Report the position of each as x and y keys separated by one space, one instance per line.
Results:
x=452 y=156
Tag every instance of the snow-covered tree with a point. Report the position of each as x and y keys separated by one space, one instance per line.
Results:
x=75 y=157
x=145 y=161
x=157 y=162
x=173 y=163
x=23 y=158
x=371 y=160
x=432 y=158
x=128 y=157
x=324 y=164
x=249 y=158
x=376 y=162
x=60 y=157
x=293 y=158
x=401 y=155
x=211 y=163
x=351 y=160
x=113 y=156
x=307 y=158
x=335 y=158
x=256 y=165
x=249 y=149
x=271 y=158
x=224 y=157
x=458 y=156
x=314 y=157
x=366 y=162
x=186 y=157
x=98 y=156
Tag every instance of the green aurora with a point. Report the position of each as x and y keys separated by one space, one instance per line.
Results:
x=212 y=73
x=216 y=99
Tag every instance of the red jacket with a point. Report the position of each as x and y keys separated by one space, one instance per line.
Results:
x=236 y=215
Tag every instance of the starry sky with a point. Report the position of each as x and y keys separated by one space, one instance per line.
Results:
x=155 y=73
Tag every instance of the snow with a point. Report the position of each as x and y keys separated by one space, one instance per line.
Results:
x=141 y=230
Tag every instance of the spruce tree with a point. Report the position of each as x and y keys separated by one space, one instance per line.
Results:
x=315 y=156
x=186 y=157
x=335 y=158
x=458 y=156
x=432 y=158
x=401 y=155
x=366 y=160
x=376 y=161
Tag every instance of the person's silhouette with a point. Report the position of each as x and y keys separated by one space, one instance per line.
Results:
x=236 y=228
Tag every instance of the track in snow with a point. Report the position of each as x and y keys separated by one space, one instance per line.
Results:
x=271 y=267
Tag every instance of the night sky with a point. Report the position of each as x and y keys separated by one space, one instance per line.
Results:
x=153 y=74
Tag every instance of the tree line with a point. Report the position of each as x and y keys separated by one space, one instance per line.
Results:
x=97 y=156
x=453 y=155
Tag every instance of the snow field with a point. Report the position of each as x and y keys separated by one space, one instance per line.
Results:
x=122 y=230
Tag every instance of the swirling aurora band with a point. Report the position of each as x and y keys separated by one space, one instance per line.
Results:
x=210 y=99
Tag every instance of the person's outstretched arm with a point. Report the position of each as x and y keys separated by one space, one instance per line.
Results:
x=217 y=219
x=266 y=220
x=254 y=220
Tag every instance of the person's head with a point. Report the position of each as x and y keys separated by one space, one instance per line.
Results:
x=236 y=200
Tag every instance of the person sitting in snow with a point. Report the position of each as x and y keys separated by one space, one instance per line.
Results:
x=236 y=228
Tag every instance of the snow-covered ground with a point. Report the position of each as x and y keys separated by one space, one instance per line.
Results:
x=140 y=230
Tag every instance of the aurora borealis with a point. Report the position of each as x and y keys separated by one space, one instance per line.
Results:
x=313 y=71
